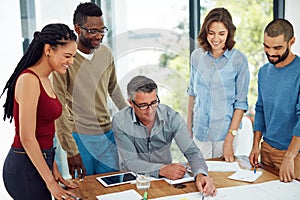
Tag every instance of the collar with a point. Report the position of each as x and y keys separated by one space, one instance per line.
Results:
x=86 y=56
x=227 y=53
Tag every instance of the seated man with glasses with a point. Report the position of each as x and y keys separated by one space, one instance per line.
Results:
x=144 y=132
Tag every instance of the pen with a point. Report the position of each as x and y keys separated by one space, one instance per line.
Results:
x=254 y=169
x=188 y=169
x=81 y=175
x=145 y=196
x=74 y=197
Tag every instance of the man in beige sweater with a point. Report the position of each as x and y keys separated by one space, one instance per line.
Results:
x=84 y=128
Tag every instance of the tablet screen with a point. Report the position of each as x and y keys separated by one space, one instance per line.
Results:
x=117 y=179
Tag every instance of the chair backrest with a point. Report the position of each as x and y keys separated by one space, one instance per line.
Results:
x=244 y=139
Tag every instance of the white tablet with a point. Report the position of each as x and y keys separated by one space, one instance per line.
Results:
x=117 y=179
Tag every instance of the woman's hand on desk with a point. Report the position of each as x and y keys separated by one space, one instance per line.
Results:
x=205 y=185
x=59 y=179
x=56 y=190
x=228 y=148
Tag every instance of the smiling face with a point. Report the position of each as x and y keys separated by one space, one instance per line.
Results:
x=88 y=42
x=61 y=57
x=276 y=49
x=217 y=36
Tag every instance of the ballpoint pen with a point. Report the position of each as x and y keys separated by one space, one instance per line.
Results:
x=74 y=197
x=188 y=169
x=254 y=169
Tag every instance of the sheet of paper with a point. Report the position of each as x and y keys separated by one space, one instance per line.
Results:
x=222 y=166
x=187 y=196
x=216 y=166
x=128 y=194
x=245 y=175
x=184 y=179
x=273 y=190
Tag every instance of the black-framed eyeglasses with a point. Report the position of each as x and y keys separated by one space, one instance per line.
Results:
x=145 y=106
x=94 y=31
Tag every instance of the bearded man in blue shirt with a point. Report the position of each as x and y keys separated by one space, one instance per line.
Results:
x=277 y=117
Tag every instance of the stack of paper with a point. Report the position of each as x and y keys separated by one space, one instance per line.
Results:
x=128 y=194
x=184 y=179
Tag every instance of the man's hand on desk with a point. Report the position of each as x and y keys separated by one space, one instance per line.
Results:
x=253 y=157
x=75 y=163
x=205 y=185
x=286 y=172
x=172 y=171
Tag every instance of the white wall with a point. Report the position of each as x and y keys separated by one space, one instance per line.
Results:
x=293 y=15
x=11 y=52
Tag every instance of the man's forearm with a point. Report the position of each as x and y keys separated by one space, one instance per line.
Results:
x=68 y=143
x=293 y=148
x=257 y=139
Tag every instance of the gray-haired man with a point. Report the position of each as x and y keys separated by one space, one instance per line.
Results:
x=144 y=132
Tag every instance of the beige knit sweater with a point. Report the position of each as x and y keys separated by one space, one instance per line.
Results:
x=83 y=93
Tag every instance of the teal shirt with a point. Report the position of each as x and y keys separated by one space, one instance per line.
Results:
x=278 y=104
x=141 y=151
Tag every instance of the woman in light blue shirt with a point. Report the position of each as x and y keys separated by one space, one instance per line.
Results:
x=218 y=87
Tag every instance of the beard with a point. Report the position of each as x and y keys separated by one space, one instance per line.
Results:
x=280 y=57
x=88 y=43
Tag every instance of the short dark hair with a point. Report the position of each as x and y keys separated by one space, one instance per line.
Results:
x=278 y=27
x=52 y=34
x=84 y=10
x=217 y=15
x=140 y=84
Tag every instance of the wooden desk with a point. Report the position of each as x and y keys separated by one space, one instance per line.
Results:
x=89 y=188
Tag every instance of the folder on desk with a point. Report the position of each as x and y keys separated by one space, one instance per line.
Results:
x=184 y=179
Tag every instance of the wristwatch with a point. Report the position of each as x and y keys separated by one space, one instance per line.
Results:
x=233 y=132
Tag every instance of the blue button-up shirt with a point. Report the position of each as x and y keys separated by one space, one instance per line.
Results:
x=144 y=151
x=219 y=85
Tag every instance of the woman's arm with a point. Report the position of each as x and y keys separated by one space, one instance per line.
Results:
x=190 y=114
x=27 y=94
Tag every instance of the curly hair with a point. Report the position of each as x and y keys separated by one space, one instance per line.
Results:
x=52 y=34
x=84 y=10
